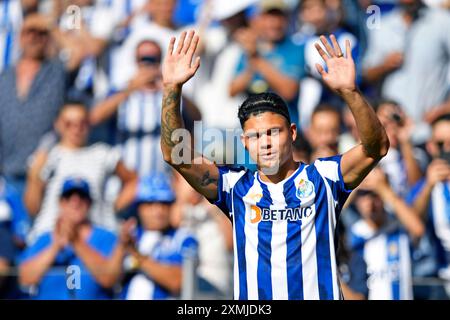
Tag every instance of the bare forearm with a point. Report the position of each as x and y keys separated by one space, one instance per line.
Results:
x=372 y=134
x=33 y=194
x=405 y=214
x=126 y=196
x=165 y=275
x=32 y=271
x=285 y=86
x=413 y=171
x=105 y=271
x=107 y=108
x=422 y=201
x=240 y=83
x=376 y=73
x=171 y=119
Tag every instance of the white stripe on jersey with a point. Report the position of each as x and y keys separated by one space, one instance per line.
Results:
x=441 y=221
x=279 y=248
x=406 y=286
x=251 y=247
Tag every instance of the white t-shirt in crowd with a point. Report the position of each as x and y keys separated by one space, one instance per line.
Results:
x=93 y=163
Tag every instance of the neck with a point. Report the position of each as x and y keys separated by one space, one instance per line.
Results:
x=285 y=171
x=375 y=224
x=165 y=24
x=69 y=145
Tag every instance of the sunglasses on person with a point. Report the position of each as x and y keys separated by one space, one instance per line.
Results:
x=36 y=31
x=149 y=60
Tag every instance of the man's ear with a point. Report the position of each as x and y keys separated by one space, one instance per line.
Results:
x=293 y=130
x=243 y=141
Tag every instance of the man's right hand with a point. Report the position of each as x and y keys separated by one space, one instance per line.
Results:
x=438 y=170
x=178 y=66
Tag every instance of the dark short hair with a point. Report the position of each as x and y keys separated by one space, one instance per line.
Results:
x=260 y=103
x=326 y=108
x=383 y=101
x=441 y=118
x=73 y=103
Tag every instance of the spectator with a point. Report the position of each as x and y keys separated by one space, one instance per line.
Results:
x=398 y=61
x=213 y=231
x=74 y=242
x=381 y=238
x=324 y=130
x=318 y=17
x=157 y=255
x=156 y=22
x=72 y=157
x=138 y=108
x=402 y=163
x=431 y=195
x=31 y=93
x=271 y=61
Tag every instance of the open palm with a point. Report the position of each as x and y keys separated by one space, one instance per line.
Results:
x=178 y=66
x=340 y=74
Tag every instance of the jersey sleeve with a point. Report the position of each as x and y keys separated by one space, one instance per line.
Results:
x=228 y=177
x=330 y=169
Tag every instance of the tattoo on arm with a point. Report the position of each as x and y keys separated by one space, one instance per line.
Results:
x=171 y=115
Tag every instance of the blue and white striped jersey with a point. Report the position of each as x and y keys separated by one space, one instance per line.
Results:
x=10 y=23
x=388 y=259
x=139 y=128
x=284 y=233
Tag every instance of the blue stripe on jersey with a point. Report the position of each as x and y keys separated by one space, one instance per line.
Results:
x=294 y=243
x=239 y=222
x=140 y=126
x=6 y=24
x=265 y=249
x=322 y=236
x=393 y=259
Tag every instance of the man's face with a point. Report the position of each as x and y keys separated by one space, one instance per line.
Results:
x=314 y=12
x=162 y=10
x=148 y=56
x=440 y=140
x=324 y=130
x=268 y=138
x=75 y=207
x=155 y=215
x=391 y=117
x=34 y=42
x=369 y=205
x=73 y=125
x=273 y=26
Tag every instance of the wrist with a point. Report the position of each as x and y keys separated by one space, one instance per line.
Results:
x=172 y=86
x=349 y=93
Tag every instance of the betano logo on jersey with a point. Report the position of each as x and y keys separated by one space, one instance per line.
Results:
x=258 y=214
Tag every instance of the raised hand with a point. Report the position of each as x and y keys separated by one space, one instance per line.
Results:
x=341 y=72
x=178 y=66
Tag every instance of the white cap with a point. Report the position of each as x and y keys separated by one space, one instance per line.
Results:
x=223 y=9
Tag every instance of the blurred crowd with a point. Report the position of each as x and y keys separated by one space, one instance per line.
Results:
x=90 y=210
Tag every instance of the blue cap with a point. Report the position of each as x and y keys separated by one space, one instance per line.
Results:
x=76 y=185
x=155 y=188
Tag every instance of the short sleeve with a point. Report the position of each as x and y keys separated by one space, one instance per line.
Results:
x=330 y=169
x=188 y=246
x=294 y=61
x=111 y=159
x=228 y=177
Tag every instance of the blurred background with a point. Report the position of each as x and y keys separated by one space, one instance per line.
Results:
x=90 y=210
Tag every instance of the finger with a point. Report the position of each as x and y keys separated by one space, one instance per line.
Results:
x=193 y=47
x=320 y=69
x=325 y=42
x=348 y=50
x=181 y=42
x=171 y=45
x=196 y=64
x=187 y=45
x=322 y=53
x=336 y=46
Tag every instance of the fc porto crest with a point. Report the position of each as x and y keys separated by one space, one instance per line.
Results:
x=305 y=189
